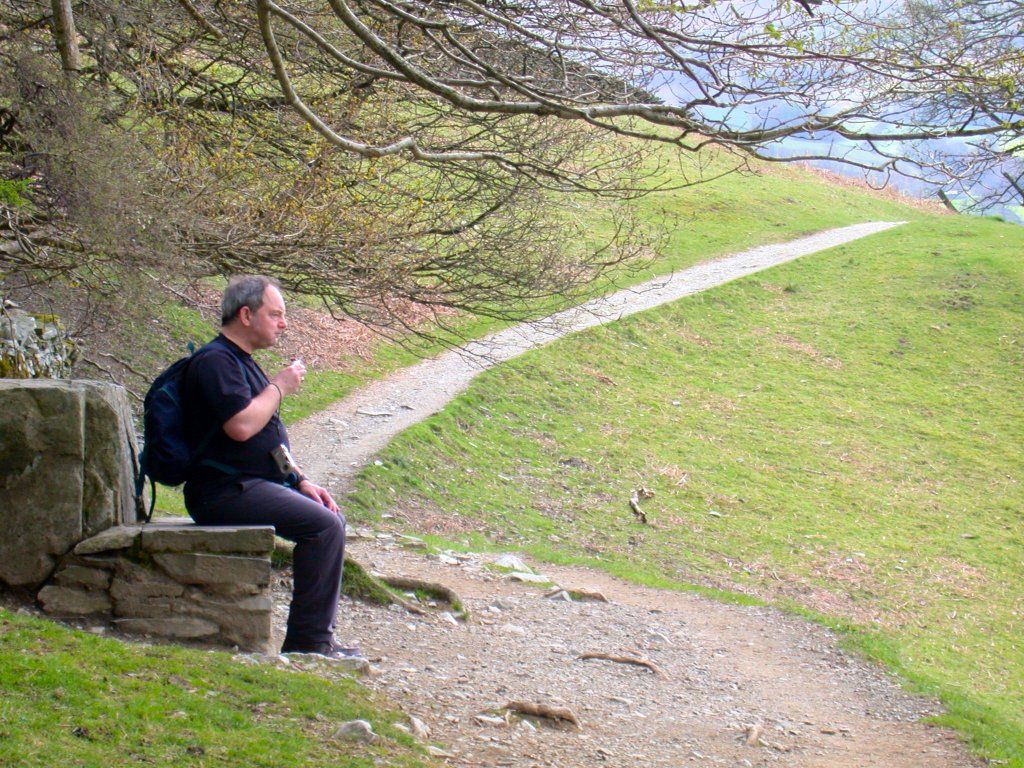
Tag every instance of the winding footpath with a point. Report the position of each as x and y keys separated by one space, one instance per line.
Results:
x=734 y=686
x=337 y=442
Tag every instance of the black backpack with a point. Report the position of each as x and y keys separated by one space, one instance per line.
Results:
x=166 y=456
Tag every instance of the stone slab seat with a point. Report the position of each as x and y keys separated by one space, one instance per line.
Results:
x=172 y=578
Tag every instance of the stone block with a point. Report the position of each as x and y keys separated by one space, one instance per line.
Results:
x=246 y=622
x=123 y=590
x=192 y=568
x=184 y=537
x=67 y=601
x=118 y=537
x=144 y=608
x=105 y=560
x=251 y=604
x=41 y=466
x=108 y=493
x=67 y=453
x=185 y=627
x=81 y=576
x=234 y=591
x=139 y=584
x=250 y=632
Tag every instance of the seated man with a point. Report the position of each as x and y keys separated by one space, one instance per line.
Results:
x=242 y=472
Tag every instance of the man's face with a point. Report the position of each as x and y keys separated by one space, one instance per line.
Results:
x=268 y=322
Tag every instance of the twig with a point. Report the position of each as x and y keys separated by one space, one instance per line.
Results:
x=640 y=662
x=110 y=373
x=122 y=363
x=543 y=710
x=201 y=20
x=634 y=504
x=361 y=412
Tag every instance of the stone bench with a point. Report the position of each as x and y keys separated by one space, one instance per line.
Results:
x=70 y=531
x=171 y=579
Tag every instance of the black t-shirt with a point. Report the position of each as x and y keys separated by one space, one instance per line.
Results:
x=221 y=380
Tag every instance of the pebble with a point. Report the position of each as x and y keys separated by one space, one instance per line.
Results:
x=356 y=730
x=419 y=729
x=529 y=578
x=490 y=720
x=753 y=735
x=513 y=563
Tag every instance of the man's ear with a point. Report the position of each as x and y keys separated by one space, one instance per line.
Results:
x=245 y=316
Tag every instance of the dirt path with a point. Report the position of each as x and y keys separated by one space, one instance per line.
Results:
x=738 y=686
x=335 y=443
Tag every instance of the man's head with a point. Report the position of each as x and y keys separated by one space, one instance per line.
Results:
x=252 y=312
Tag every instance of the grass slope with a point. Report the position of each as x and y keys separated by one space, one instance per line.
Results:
x=763 y=204
x=71 y=698
x=840 y=433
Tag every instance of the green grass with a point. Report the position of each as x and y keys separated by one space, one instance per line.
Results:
x=841 y=433
x=71 y=698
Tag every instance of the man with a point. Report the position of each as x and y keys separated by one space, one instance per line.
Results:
x=242 y=472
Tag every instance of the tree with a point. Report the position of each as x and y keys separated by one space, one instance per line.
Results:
x=365 y=151
x=878 y=78
x=172 y=142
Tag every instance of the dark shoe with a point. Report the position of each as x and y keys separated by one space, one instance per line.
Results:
x=329 y=650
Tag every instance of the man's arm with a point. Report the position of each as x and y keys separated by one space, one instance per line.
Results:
x=255 y=416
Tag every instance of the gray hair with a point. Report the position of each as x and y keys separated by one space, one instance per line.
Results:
x=245 y=291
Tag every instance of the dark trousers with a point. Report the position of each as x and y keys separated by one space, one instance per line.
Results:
x=318 y=533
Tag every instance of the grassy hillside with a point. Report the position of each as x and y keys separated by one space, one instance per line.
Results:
x=841 y=434
x=761 y=204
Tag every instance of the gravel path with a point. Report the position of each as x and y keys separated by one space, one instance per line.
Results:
x=335 y=443
x=738 y=686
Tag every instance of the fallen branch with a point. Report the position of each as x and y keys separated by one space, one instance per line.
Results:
x=543 y=710
x=577 y=594
x=634 y=502
x=636 y=660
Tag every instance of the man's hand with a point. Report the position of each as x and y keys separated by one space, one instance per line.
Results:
x=318 y=494
x=290 y=378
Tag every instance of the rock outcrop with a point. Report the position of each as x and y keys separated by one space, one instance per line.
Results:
x=33 y=346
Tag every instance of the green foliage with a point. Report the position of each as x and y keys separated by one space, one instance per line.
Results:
x=71 y=698
x=12 y=192
x=851 y=446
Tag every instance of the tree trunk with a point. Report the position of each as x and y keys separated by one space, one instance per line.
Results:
x=65 y=35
